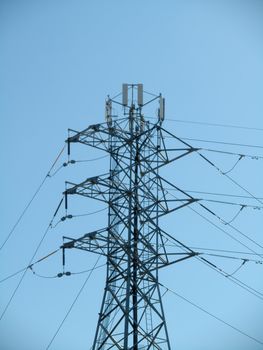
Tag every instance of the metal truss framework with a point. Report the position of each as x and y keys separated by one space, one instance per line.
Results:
x=132 y=314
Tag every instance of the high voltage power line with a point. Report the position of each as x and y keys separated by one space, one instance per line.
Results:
x=220 y=125
x=73 y=303
x=31 y=260
x=32 y=198
x=211 y=314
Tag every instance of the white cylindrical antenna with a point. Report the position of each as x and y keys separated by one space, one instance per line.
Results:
x=125 y=94
x=140 y=94
x=162 y=108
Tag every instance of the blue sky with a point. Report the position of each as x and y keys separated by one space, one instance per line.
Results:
x=58 y=62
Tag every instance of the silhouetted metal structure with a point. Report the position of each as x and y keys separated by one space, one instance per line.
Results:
x=132 y=314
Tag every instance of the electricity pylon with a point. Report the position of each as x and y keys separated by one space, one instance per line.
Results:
x=132 y=314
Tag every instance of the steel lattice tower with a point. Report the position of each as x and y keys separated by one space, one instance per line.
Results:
x=132 y=314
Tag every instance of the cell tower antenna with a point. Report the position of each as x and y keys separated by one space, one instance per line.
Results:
x=132 y=314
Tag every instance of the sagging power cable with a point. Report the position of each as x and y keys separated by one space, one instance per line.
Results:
x=233 y=167
x=225 y=223
x=57 y=275
x=71 y=216
x=230 y=178
x=29 y=266
x=235 y=216
x=236 y=270
x=232 y=279
x=219 y=270
x=67 y=273
x=72 y=161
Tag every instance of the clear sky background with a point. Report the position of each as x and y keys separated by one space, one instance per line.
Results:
x=58 y=62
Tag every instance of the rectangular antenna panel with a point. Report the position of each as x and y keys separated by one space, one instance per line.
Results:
x=162 y=108
x=140 y=94
x=125 y=94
